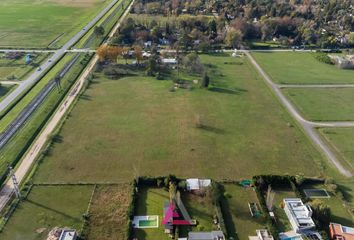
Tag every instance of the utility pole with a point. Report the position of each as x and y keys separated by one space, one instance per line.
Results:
x=15 y=183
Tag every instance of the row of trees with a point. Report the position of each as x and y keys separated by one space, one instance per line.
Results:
x=114 y=53
x=293 y=22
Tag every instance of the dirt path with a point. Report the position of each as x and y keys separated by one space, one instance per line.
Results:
x=306 y=125
x=29 y=158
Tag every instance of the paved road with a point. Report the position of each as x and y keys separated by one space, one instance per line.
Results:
x=315 y=85
x=8 y=189
x=45 y=51
x=306 y=125
x=35 y=76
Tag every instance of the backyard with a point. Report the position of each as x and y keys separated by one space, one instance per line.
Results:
x=238 y=219
x=144 y=126
x=51 y=24
x=47 y=207
x=151 y=201
x=300 y=68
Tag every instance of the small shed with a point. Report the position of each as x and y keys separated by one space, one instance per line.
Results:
x=68 y=235
x=197 y=184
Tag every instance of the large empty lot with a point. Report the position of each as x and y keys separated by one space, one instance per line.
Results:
x=135 y=124
x=52 y=22
x=323 y=104
x=300 y=68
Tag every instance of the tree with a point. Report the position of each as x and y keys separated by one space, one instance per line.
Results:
x=205 y=81
x=138 y=51
x=233 y=37
x=102 y=52
x=321 y=212
x=125 y=54
x=270 y=198
x=98 y=31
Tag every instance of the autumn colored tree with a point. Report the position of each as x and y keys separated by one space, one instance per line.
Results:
x=138 y=51
x=102 y=52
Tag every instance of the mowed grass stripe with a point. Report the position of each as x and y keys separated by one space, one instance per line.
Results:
x=300 y=68
x=323 y=104
x=137 y=123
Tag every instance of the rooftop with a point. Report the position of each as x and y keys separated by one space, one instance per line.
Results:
x=213 y=235
x=68 y=235
x=341 y=232
x=299 y=212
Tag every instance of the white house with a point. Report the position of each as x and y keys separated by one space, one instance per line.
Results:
x=299 y=215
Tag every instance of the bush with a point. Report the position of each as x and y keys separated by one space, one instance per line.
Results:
x=323 y=57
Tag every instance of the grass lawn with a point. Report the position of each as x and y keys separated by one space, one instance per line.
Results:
x=15 y=70
x=108 y=212
x=44 y=23
x=15 y=148
x=137 y=123
x=341 y=140
x=300 y=68
x=47 y=207
x=107 y=22
x=340 y=212
x=6 y=89
x=283 y=223
x=323 y=104
x=238 y=219
x=200 y=209
x=151 y=202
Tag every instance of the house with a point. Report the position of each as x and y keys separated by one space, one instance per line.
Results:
x=339 y=232
x=147 y=44
x=171 y=61
x=262 y=234
x=68 y=235
x=213 y=235
x=299 y=215
x=197 y=184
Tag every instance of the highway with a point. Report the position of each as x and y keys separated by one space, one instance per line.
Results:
x=46 y=65
x=7 y=189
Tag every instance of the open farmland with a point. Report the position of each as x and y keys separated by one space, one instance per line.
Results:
x=137 y=123
x=300 y=68
x=16 y=69
x=47 y=207
x=341 y=140
x=52 y=22
x=323 y=104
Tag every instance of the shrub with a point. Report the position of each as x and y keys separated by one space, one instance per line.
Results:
x=323 y=57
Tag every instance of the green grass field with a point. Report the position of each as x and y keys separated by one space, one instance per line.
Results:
x=15 y=70
x=283 y=223
x=47 y=207
x=13 y=151
x=238 y=219
x=6 y=89
x=323 y=104
x=200 y=209
x=341 y=140
x=52 y=22
x=143 y=125
x=340 y=213
x=300 y=68
x=151 y=202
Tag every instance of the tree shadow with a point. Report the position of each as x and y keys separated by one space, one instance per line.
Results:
x=236 y=91
x=85 y=97
x=211 y=129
